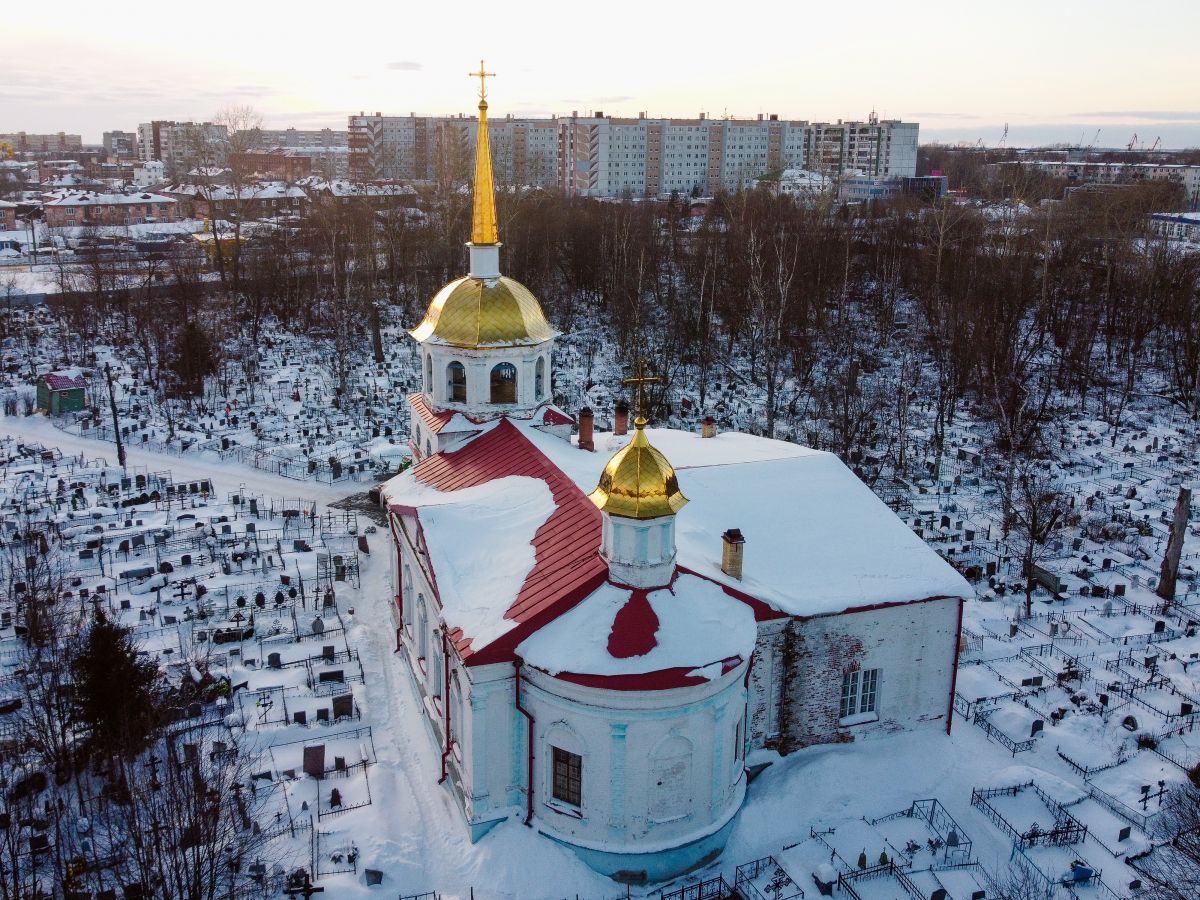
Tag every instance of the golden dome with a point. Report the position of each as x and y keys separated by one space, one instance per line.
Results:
x=638 y=483
x=478 y=312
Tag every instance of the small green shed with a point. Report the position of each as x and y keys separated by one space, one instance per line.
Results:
x=58 y=393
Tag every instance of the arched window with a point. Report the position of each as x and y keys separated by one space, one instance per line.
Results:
x=539 y=378
x=408 y=596
x=456 y=382
x=504 y=383
x=428 y=372
x=422 y=629
x=439 y=676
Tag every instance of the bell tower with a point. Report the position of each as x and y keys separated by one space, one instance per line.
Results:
x=486 y=347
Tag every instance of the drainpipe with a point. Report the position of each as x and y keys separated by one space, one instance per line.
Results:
x=445 y=702
x=954 y=671
x=517 y=663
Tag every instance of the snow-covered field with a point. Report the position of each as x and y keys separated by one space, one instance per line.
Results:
x=814 y=807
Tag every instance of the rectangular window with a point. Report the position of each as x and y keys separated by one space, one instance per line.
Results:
x=568 y=777
x=859 y=692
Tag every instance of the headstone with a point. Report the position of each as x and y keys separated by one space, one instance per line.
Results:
x=343 y=706
x=1036 y=727
x=373 y=876
x=274 y=661
x=314 y=761
x=300 y=717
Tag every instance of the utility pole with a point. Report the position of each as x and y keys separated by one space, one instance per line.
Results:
x=112 y=401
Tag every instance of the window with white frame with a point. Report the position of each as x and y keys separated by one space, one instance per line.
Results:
x=860 y=691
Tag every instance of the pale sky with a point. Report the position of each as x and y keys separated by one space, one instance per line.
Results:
x=1055 y=70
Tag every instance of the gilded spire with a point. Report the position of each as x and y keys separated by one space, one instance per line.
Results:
x=483 y=216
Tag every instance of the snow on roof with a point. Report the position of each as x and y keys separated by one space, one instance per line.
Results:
x=567 y=566
x=817 y=539
x=64 y=381
x=691 y=626
x=339 y=188
x=480 y=543
x=269 y=190
x=90 y=198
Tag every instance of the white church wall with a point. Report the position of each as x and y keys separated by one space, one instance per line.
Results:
x=764 y=688
x=910 y=646
x=659 y=767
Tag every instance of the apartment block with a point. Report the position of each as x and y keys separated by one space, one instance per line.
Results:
x=181 y=146
x=267 y=138
x=604 y=156
x=432 y=148
x=120 y=143
x=1078 y=172
x=23 y=142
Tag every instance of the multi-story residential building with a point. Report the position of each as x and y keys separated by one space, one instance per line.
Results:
x=1077 y=172
x=279 y=162
x=8 y=216
x=72 y=208
x=21 y=142
x=431 y=148
x=292 y=138
x=182 y=145
x=607 y=157
x=120 y=143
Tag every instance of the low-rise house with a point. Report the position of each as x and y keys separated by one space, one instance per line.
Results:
x=8 y=216
x=60 y=392
x=379 y=194
x=1176 y=226
x=261 y=200
x=72 y=208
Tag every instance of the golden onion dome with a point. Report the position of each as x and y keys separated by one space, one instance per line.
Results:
x=638 y=483
x=484 y=312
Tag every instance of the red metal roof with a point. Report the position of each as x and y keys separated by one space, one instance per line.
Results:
x=660 y=680
x=634 y=628
x=555 y=416
x=63 y=382
x=435 y=420
x=567 y=564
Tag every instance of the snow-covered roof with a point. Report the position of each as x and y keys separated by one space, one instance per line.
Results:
x=818 y=541
x=690 y=632
x=91 y=198
x=267 y=190
x=339 y=188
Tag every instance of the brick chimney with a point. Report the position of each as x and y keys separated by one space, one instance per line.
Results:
x=709 y=427
x=586 y=420
x=732 y=544
x=621 y=425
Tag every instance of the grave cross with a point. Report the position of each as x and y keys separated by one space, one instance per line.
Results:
x=305 y=890
x=641 y=381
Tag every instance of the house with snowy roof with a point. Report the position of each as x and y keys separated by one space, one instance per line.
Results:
x=601 y=629
x=60 y=392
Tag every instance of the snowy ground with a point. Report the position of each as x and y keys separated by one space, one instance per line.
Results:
x=412 y=832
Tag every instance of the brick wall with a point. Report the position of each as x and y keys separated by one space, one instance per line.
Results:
x=913 y=647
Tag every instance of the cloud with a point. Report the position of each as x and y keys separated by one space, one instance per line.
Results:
x=943 y=115
x=1158 y=115
x=405 y=65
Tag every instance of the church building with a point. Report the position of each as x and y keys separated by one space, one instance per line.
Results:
x=601 y=627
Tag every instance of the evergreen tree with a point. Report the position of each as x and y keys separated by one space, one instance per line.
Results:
x=116 y=693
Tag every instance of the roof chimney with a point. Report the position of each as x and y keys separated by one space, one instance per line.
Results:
x=586 y=420
x=621 y=425
x=732 y=544
x=709 y=427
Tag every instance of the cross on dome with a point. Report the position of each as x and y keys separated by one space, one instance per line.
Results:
x=641 y=381
x=481 y=75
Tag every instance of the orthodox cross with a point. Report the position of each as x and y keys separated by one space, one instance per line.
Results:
x=641 y=381
x=481 y=75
